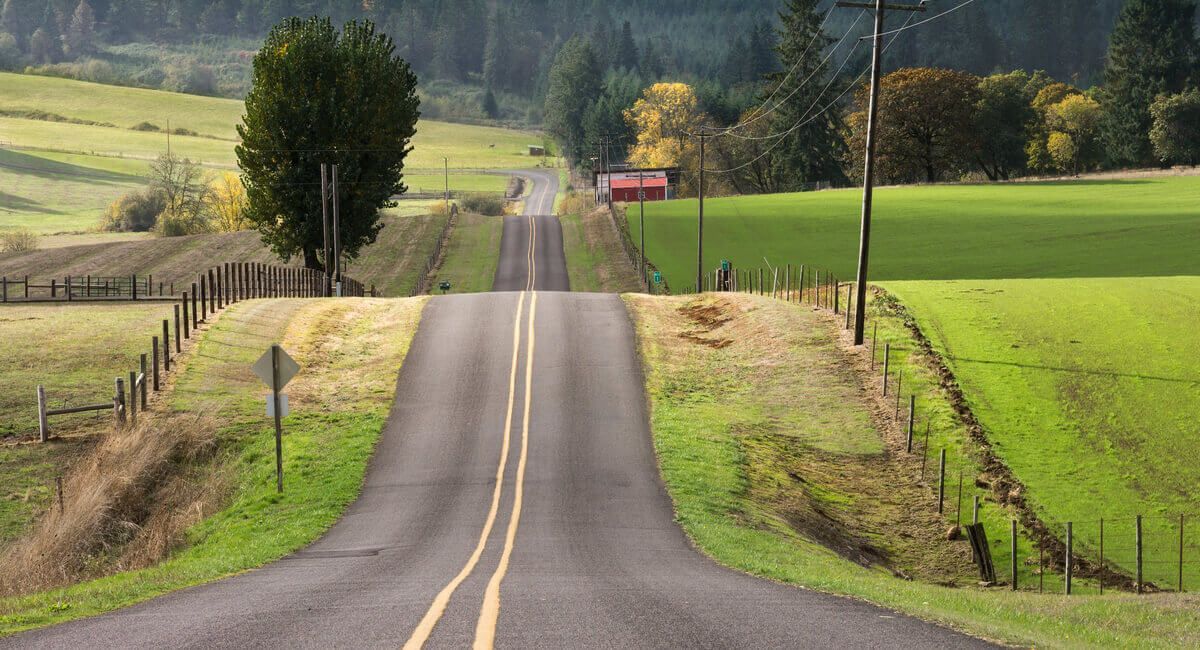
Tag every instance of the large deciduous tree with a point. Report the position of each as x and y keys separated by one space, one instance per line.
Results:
x=925 y=127
x=661 y=120
x=1004 y=118
x=1175 y=132
x=1153 y=50
x=323 y=96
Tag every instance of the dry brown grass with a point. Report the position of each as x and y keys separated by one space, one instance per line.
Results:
x=124 y=507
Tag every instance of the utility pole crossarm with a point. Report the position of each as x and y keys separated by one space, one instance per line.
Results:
x=886 y=6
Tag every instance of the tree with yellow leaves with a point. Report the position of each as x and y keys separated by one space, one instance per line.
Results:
x=227 y=204
x=662 y=118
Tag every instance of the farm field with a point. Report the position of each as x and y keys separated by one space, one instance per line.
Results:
x=57 y=176
x=1112 y=228
x=391 y=264
x=1089 y=390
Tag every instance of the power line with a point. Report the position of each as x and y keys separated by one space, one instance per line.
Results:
x=803 y=121
x=803 y=84
x=795 y=66
x=923 y=22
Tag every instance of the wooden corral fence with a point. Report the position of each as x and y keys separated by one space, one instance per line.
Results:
x=244 y=279
x=214 y=289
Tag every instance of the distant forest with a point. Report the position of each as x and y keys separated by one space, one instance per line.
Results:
x=507 y=46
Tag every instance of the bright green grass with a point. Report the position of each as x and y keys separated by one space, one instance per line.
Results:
x=1143 y=227
x=471 y=255
x=53 y=193
x=325 y=451
x=1090 y=392
x=695 y=415
x=424 y=183
x=123 y=107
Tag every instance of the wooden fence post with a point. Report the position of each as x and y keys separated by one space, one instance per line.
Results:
x=166 y=345
x=186 y=320
x=131 y=402
x=43 y=427
x=195 y=318
x=119 y=402
x=143 y=388
x=133 y=287
x=178 y=339
x=154 y=347
x=203 y=300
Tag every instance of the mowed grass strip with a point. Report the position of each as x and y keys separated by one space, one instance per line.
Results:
x=471 y=255
x=711 y=411
x=1090 y=391
x=596 y=260
x=349 y=351
x=1085 y=228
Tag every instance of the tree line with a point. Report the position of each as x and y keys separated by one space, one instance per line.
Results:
x=936 y=123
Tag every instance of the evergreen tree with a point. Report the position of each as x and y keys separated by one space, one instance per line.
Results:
x=82 y=29
x=1153 y=51
x=812 y=152
x=575 y=83
x=20 y=18
x=489 y=105
x=627 y=51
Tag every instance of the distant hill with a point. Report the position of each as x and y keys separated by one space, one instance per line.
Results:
x=459 y=47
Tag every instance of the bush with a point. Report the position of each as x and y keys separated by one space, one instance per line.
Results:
x=134 y=212
x=1175 y=132
x=18 y=241
x=485 y=204
x=146 y=126
x=190 y=78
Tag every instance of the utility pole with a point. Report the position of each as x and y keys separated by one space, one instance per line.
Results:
x=700 y=225
x=325 y=225
x=642 y=230
x=608 y=168
x=864 y=238
x=337 y=239
x=446 y=164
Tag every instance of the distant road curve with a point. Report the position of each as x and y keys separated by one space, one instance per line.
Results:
x=531 y=245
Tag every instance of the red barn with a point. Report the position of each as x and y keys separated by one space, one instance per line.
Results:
x=626 y=189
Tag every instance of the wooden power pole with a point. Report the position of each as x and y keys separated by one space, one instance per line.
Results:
x=700 y=225
x=864 y=240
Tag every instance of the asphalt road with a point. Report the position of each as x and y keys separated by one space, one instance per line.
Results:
x=514 y=500
x=531 y=248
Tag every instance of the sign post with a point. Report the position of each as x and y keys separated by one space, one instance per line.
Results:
x=276 y=368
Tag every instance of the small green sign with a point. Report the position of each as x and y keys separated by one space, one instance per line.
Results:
x=657 y=277
x=444 y=286
x=726 y=265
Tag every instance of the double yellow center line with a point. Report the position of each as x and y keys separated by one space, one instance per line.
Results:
x=489 y=613
x=531 y=258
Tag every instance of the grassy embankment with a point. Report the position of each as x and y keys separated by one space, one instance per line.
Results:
x=471 y=255
x=336 y=419
x=57 y=176
x=1117 y=228
x=596 y=260
x=761 y=432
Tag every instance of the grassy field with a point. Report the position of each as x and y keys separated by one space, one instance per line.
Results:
x=391 y=264
x=1089 y=391
x=1116 y=228
x=57 y=176
x=336 y=418
x=731 y=421
x=471 y=254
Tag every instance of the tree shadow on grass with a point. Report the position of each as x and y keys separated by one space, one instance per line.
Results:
x=1077 y=371
x=36 y=166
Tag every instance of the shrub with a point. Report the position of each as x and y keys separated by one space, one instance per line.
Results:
x=145 y=126
x=190 y=78
x=1175 y=132
x=18 y=241
x=485 y=204
x=134 y=212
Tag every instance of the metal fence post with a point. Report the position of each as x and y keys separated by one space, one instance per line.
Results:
x=942 y=483
x=1013 y=551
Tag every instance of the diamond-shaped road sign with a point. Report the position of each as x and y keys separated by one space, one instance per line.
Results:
x=287 y=368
